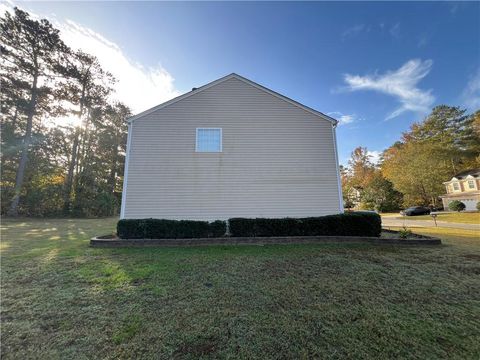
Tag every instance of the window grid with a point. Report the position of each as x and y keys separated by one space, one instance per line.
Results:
x=471 y=184
x=208 y=140
x=456 y=186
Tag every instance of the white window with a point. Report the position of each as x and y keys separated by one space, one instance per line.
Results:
x=209 y=140
x=456 y=186
x=471 y=184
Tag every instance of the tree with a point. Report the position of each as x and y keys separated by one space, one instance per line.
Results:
x=417 y=170
x=98 y=186
x=380 y=195
x=30 y=52
x=70 y=170
x=456 y=205
x=114 y=129
x=356 y=176
x=471 y=141
x=430 y=153
x=347 y=189
x=87 y=87
x=361 y=168
x=450 y=128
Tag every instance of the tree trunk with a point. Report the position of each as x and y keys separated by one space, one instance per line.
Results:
x=453 y=167
x=13 y=210
x=71 y=168
x=14 y=121
x=82 y=149
x=73 y=160
x=425 y=197
x=113 y=169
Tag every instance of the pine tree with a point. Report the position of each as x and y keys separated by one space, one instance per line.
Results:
x=31 y=51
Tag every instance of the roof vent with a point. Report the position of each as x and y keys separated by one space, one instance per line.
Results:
x=193 y=89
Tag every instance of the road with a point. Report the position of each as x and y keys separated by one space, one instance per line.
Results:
x=400 y=221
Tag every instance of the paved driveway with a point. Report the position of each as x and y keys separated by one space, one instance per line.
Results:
x=400 y=221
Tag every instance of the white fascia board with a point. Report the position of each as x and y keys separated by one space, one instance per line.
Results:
x=337 y=166
x=125 y=171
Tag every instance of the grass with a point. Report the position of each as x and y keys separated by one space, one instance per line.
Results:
x=462 y=217
x=395 y=214
x=62 y=299
x=449 y=236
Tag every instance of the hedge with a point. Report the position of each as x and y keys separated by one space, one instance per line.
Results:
x=169 y=229
x=456 y=205
x=349 y=224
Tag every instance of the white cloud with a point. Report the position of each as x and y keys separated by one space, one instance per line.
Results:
x=453 y=8
x=395 y=30
x=374 y=156
x=343 y=119
x=138 y=87
x=401 y=84
x=471 y=93
x=422 y=40
x=355 y=30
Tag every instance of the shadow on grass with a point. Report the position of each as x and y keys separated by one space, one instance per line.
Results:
x=62 y=298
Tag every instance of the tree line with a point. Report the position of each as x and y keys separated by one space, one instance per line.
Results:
x=77 y=170
x=61 y=169
x=412 y=170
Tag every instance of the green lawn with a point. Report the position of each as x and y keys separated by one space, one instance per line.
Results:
x=462 y=217
x=62 y=299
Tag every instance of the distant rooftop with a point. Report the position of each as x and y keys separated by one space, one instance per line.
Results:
x=473 y=172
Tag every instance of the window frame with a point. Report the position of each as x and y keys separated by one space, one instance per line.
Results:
x=471 y=181
x=458 y=186
x=208 y=151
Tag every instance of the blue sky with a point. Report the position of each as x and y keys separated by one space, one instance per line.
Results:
x=376 y=66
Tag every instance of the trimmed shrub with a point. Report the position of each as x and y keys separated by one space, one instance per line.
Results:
x=456 y=205
x=264 y=227
x=217 y=228
x=131 y=228
x=478 y=206
x=169 y=229
x=349 y=224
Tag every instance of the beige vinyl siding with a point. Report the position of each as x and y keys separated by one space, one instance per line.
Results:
x=277 y=159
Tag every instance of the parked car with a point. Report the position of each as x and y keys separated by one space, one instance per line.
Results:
x=415 y=210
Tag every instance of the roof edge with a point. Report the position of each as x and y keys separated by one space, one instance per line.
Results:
x=241 y=78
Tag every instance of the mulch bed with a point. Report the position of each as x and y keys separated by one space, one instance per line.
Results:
x=389 y=237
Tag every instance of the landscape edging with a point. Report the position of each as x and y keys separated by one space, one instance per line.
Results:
x=117 y=242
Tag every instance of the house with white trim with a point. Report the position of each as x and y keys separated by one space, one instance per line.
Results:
x=464 y=187
x=231 y=148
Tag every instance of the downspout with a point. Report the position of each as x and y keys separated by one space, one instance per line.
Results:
x=125 y=171
x=339 y=182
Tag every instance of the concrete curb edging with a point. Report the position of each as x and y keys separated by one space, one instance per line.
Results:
x=117 y=242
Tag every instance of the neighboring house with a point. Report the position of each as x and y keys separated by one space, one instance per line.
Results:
x=465 y=187
x=231 y=148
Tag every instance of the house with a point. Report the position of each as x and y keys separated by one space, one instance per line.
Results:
x=231 y=148
x=465 y=187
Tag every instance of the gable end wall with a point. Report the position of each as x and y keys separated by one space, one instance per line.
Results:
x=278 y=160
